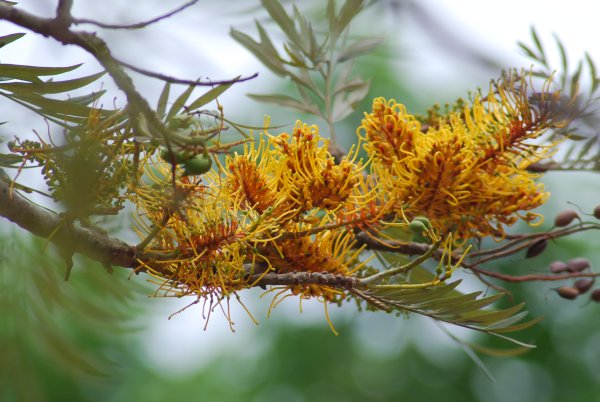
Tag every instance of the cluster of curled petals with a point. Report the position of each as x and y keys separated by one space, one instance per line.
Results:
x=467 y=171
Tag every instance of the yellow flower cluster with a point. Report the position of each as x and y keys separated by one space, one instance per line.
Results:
x=271 y=209
x=466 y=171
x=284 y=204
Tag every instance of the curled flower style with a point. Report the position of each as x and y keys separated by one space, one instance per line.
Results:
x=252 y=178
x=328 y=252
x=309 y=171
x=467 y=171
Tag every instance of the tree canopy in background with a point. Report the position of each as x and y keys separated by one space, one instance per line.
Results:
x=377 y=208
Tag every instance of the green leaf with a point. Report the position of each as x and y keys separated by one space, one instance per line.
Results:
x=51 y=87
x=31 y=73
x=180 y=102
x=161 y=107
x=279 y=15
x=538 y=44
x=349 y=10
x=574 y=88
x=343 y=106
x=7 y=160
x=528 y=51
x=443 y=303
x=497 y=352
x=468 y=349
x=587 y=146
x=563 y=59
x=265 y=52
x=287 y=101
x=87 y=99
x=594 y=78
x=359 y=48
x=211 y=95
x=348 y=86
x=308 y=36
x=518 y=327
x=56 y=110
x=6 y=39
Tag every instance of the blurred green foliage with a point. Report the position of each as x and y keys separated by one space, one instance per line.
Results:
x=79 y=340
x=60 y=341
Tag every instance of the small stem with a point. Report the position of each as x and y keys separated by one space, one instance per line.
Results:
x=153 y=233
x=404 y=268
x=531 y=277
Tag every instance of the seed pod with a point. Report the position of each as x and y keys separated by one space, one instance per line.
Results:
x=536 y=248
x=565 y=218
x=578 y=264
x=597 y=212
x=558 y=267
x=567 y=293
x=584 y=284
x=595 y=296
x=198 y=165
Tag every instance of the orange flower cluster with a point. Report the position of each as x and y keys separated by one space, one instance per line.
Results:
x=466 y=172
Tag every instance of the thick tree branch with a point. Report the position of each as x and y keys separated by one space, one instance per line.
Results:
x=94 y=244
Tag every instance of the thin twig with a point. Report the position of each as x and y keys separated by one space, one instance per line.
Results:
x=181 y=81
x=533 y=277
x=137 y=25
x=404 y=268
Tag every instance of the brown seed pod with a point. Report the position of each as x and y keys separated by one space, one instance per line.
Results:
x=595 y=296
x=578 y=264
x=567 y=292
x=536 y=248
x=584 y=284
x=558 y=267
x=565 y=217
x=597 y=212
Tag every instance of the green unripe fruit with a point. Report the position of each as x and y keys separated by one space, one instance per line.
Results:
x=173 y=157
x=417 y=227
x=199 y=164
x=423 y=220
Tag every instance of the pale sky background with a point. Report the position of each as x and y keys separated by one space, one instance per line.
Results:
x=197 y=43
